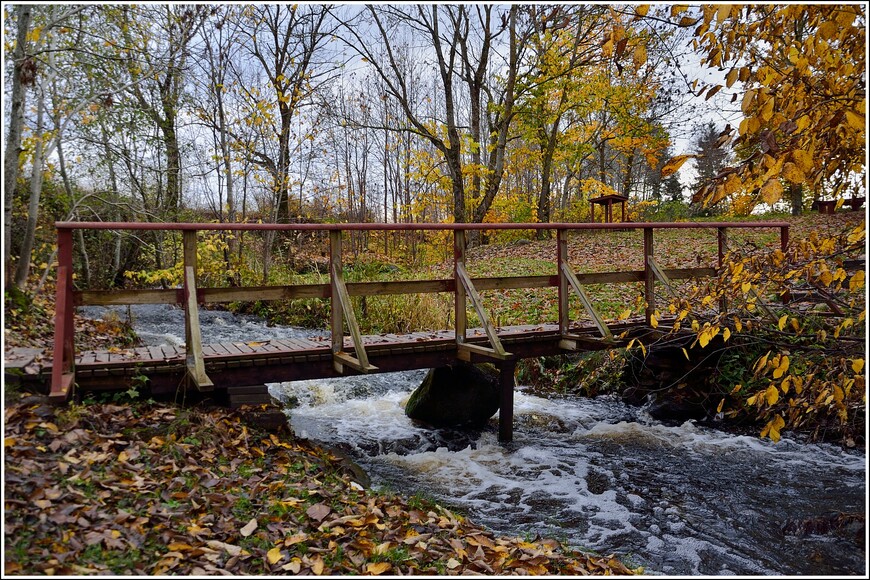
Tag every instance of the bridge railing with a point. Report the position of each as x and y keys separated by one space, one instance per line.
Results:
x=464 y=287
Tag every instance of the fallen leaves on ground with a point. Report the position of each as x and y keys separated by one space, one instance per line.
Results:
x=157 y=489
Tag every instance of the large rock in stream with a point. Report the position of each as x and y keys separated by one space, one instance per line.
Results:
x=458 y=395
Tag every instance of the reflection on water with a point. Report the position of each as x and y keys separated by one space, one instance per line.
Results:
x=594 y=473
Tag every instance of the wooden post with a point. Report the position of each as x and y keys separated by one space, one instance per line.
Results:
x=63 y=366
x=459 y=297
x=336 y=318
x=189 y=247
x=562 y=258
x=192 y=334
x=506 y=404
x=649 y=276
x=783 y=238
x=722 y=237
x=623 y=212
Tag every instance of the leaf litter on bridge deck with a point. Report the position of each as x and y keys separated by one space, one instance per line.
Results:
x=157 y=489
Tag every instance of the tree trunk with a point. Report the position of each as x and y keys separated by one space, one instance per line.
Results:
x=23 y=270
x=796 y=193
x=173 y=168
x=13 y=138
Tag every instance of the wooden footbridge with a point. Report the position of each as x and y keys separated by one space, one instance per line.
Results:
x=234 y=367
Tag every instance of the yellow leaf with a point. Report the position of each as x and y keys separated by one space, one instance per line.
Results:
x=828 y=29
x=704 y=338
x=721 y=403
x=855 y=120
x=782 y=368
x=723 y=12
x=785 y=384
x=745 y=287
x=274 y=555
x=857 y=365
x=772 y=428
x=317 y=565
x=726 y=334
x=767 y=109
x=639 y=56
x=686 y=354
x=798 y=384
x=838 y=394
x=751 y=400
x=826 y=278
x=857 y=281
x=378 y=568
x=803 y=160
x=782 y=321
x=731 y=77
x=641 y=10
x=762 y=362
x=793 y=173
x=674 y=164
x=9 y=442
x=653 y=322
x=771 y=192
x=771 y=395
x=746 y=103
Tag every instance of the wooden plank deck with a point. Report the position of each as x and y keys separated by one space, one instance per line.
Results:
x=231 y=364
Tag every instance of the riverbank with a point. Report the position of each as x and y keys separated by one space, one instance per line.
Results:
x=158 y=489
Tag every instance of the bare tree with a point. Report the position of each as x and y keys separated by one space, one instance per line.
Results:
x=450 y=32
x=284 y=40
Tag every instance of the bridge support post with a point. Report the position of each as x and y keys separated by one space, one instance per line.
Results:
x=506 y=404
x=722 y=239
x=63 y=367
x=562 y=258
x=649 y=276
x=459 y=295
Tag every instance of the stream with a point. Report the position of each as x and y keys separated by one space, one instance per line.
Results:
x=595 y=473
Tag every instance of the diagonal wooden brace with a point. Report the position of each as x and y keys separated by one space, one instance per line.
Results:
x=193 y=335
x=587 y=303
x=497 y=351
x=661 y=276
x=341 y=359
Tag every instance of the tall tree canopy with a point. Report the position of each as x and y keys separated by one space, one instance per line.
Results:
x=802 y=70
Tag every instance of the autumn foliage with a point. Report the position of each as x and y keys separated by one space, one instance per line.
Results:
x=802 y=98
x=796 y=322
x=151 y=489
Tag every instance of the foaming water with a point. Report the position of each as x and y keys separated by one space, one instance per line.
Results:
x=604 y=476
x=596 y=474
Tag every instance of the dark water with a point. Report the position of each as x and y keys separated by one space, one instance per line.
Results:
x=597 y=474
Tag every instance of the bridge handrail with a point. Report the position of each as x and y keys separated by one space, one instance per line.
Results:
x=201 y=226
x=461 y=285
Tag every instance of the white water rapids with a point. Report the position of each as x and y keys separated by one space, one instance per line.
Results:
x=595 y=473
